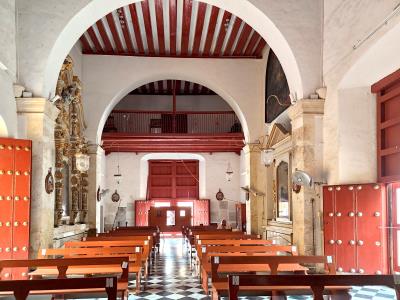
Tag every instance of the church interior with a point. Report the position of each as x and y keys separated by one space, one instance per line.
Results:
x=200 y=149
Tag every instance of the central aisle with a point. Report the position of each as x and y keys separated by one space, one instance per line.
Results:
x=171 y=278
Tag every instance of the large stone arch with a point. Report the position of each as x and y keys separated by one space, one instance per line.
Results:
x=241 y=89
x=41 y=61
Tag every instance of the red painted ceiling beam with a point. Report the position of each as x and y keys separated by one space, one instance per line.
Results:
x=107 y=44
x=252 y=43
x=195 y=89
x=260 y=47
x=95 y=41
x=232 y=37
x=199 y=27
x=136 y=28
x=172 y=26
x=186 y=89
x=85 y=45
x=160 y=26
x=244 y=36
x=148 y=27
x=222 y=33
x=117 y=41
x=125 y=30
x=160 y=86
x=186 y=18
x=211 y=30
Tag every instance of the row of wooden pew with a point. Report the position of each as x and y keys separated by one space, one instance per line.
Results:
x=241 y=264
x=103 y=263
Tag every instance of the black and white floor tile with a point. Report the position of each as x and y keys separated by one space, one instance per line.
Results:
x=171 y=278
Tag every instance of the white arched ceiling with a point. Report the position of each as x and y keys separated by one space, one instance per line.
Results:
x=40 y=67
x=144 y=170
x=380 y=60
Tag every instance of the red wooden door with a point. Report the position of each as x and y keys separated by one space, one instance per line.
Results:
x=201 y=212
x=388 y=127
x=15 y=190
x=396 y=226
x=371 y=229
x=6 y=201
x=329 y=222
x=345 y=226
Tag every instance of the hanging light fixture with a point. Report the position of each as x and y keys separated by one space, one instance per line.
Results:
x=118 y=175
x=229 y=172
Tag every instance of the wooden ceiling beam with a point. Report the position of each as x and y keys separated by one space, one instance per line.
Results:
x=148 y=26
x=114 y=32
x=211 y=31
x=160 y=26
x=199 y=27
x=107 y=44
x=136 y=28
x=124 y=25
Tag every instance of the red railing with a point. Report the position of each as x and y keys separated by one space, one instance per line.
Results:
x=159 y=122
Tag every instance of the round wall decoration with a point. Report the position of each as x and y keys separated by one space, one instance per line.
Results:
x=220 y=195
x=115 y=197
x=49 y=182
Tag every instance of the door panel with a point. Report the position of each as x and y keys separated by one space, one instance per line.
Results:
x=396 y=226
x=371 y=229
x=345 y=225
x=329 y=222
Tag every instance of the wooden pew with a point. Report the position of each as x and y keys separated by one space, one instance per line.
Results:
x=22 y=288
x=135 y=232
x=205 y=267
x=271 y=264
x=134 y=256
x=318 y=285
x=143 y=244
x=60 y=268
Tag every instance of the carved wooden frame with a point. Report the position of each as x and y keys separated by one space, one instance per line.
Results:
x=69 y=140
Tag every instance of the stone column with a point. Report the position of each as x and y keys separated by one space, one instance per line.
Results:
x=36 y=118
x=95 y=174
x=307 y=126
x=256 y=180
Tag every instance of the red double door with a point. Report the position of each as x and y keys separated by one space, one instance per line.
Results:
x=200 y=212
x=355 y=227
x=15 y=193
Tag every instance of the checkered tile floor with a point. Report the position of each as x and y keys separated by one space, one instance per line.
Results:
x=171 y=279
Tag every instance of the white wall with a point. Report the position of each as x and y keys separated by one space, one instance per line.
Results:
x=77 y=58
x=183 y=103
x=350 y=119
x=240 y=82
x=8 y=114
x=133 y=167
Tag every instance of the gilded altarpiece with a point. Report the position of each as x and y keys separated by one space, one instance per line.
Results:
x=70 y=141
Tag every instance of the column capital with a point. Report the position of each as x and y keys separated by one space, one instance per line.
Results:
x=306 y=107
x=94 y=148
x=37 y=106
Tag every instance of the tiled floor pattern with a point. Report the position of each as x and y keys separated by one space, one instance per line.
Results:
x=171 y=279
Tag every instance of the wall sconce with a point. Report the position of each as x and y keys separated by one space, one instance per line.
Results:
x=82 y=162
x=267 y=156
x=229 y=172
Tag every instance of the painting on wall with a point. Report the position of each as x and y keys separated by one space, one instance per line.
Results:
x=275 y=84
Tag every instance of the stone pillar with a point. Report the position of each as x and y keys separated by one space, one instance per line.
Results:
x=307 y=126
x=256 y=180
x=95 y=174
x=36 y=118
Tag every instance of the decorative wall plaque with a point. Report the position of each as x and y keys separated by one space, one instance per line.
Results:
x=220 y=195
x=115 y=197
x=49 y=182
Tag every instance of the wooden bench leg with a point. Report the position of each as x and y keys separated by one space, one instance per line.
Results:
x=277 y=296
x=110 y=294
x=214 y=295
x=138 y=281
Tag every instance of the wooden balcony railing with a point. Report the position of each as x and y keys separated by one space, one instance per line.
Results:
x=166 y=122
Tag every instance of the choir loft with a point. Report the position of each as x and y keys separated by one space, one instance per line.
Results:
x=195 y=149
